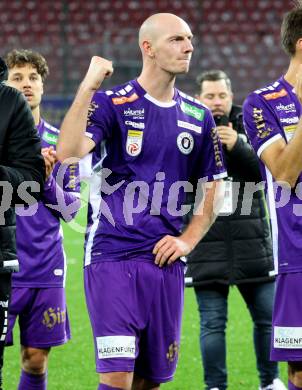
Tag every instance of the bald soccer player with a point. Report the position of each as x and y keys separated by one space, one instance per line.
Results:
x=147 y=140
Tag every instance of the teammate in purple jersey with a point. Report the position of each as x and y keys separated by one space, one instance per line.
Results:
x=272 y=117
x=38 y=296
x=148 y=139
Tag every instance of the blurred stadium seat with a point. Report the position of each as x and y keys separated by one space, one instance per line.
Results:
x=239 y=36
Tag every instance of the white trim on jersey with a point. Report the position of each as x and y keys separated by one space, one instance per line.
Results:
x=10 y=263
x=220 y=176
x=128 y=88
x=50 y=127
x=268 y=143
x=273 y=216
x=89 y=135
x=158 y=103
x=95 y=202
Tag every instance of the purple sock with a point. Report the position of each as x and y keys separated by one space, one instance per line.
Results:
x=32 y=382
x=102 y=386
x=291 y=386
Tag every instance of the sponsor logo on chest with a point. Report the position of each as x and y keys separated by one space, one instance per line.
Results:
x=189 y=126
x=136 y=125
x=135 y=114
x=275 y=95
x=287 y=108
x=124 y=99
x=197 y=113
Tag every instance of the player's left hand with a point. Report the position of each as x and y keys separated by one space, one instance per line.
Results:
x=228 y=136
x=169 y=249
x=50 y=159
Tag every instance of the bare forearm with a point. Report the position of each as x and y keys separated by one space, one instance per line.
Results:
x=72 y=141
x=205 y=215
x=285 y=160
x=74 y=124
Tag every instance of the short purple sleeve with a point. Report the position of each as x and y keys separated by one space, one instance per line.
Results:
x=260 y=123
x=100 y=118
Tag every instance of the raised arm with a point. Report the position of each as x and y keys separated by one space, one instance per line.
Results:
x=72 y=140
x=284 y=160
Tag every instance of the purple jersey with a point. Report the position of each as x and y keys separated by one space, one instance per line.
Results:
x=149 y=151
x=39 y=236
x=272 y=113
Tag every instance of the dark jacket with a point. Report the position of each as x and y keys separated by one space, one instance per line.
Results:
x=237 y=248
x=20 y=160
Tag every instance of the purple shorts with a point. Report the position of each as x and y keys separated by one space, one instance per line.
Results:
x=287 y=318
x=43 y=318
x=135 y=310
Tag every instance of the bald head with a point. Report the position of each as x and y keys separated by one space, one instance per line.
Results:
x=157 y=25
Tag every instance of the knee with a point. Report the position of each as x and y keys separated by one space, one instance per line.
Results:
x=120 y=380
x=143 y=384
x=213 y=322
x=295 y=368
x=34 y=360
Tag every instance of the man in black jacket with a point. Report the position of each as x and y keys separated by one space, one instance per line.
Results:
x=22 y=172
x=237 y=250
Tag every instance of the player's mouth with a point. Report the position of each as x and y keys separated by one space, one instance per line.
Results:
x=28 y=95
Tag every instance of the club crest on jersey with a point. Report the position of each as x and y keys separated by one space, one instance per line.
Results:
x=134 y=142
x=185 y=142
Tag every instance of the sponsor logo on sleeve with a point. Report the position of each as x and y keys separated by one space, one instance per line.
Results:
x=263 y=130
x=275 y=95
x=124 y=99
x=197 y=113
x=134 y=142
x=92 y=107
x=115 y=347
x=287 y=337
x=217 y=151
x=189 y=126
x=185 y=142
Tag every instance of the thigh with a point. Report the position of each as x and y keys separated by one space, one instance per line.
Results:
x=159 y=343
x=287 y=319
x=259 y=298
x=119 y=295
x=43 y=317
x=211 y=299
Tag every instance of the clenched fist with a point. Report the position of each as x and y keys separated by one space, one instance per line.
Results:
x=98 y=70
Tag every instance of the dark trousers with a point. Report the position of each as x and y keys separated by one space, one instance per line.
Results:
x=5 y=291
x=212 y=305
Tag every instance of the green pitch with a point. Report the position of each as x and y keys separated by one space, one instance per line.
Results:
x=71 y=367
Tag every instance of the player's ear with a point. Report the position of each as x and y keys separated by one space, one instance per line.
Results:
x=148 y=49
x=299 y=45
